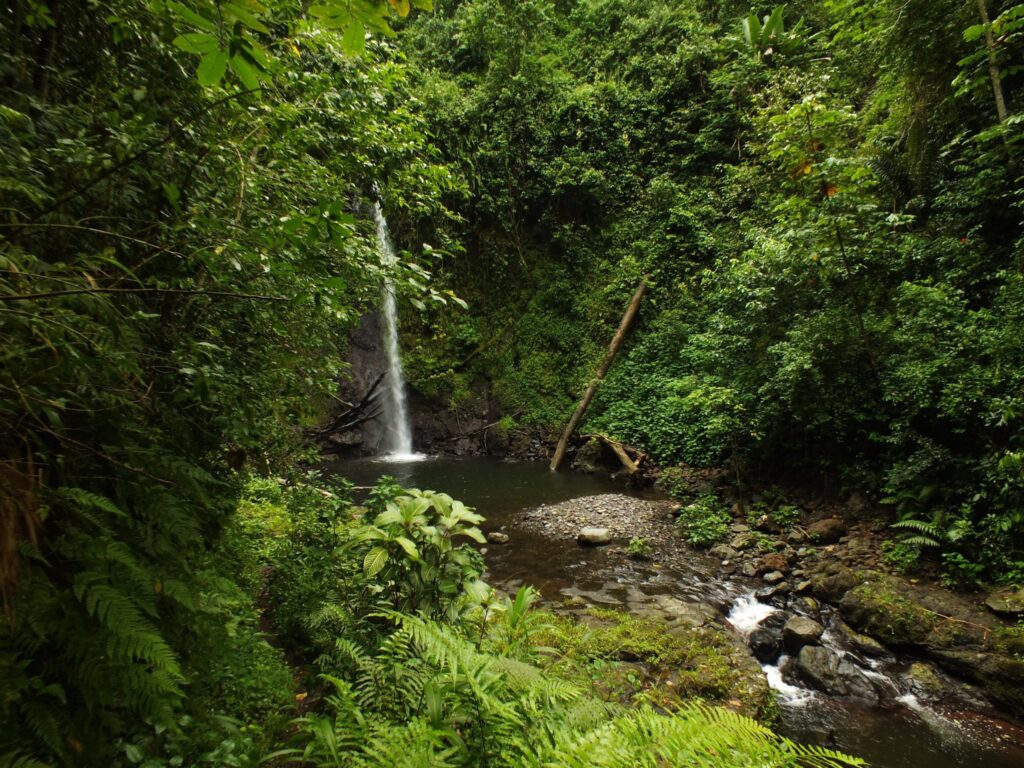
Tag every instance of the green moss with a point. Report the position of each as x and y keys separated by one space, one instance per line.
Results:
x=630 y=659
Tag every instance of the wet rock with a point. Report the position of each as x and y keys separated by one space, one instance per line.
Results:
x=925 y=681
x=497 y=538
x=594 y=537
x=833 y=581
x=765 y=644
x=743 y=541
x=723 y=552
x=800 y=631
x=774 y=561
x=827 y=531
x=822 y=668
x=864 y=644
x=749 y=570
x=804 y=586
x=694 y=614
x=774 y=577
x=1006 y=601
x=819 y=666
x=1001 y=677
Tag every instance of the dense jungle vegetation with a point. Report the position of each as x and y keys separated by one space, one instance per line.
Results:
x=823 y=197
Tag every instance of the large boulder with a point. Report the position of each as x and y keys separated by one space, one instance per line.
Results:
x=800 y=631
x=823 y=669
x=832 y=581
x=1007 y=601
x=765 y=644
x=1001 y=677
x=827 y=531
x=592 y=457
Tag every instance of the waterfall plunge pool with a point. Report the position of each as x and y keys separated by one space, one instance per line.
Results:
x=902 y=734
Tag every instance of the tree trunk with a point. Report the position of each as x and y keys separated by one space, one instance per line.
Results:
x=613 y=350
x=993 y=63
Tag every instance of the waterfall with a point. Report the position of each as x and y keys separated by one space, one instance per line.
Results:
x=397 y=441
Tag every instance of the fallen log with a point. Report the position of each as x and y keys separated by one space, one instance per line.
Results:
x=354 y=415
x=609 y=357
x=622 y=451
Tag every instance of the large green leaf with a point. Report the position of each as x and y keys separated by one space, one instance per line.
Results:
x=212 y=68
x=354 y=40
x=197 y=42
x=374 y=561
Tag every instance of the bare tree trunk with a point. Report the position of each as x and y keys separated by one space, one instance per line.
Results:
x=993 y=63
x=613 y=350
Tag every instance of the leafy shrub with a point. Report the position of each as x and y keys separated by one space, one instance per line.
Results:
x=638 y=548
x=900 y=555
x=704 y=522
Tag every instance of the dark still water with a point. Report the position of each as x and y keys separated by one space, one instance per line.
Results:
x=903 y=734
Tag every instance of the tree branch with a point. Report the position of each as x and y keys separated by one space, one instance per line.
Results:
x=171 y=291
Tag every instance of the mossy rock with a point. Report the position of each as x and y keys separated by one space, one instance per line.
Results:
x=679 y=662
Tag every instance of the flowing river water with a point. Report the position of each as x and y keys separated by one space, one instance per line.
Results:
x=901 y=733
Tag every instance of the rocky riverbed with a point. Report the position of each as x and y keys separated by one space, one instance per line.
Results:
x=832 y=619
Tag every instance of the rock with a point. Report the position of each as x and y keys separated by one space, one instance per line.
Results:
x=804 y=586
x=925 y=680
x=723 y=552
x=740 y=528
x=833 y=581
x=819 y=666
x=1006 y=601
x=800 y=631
x=774 y=577
x=592 y=458
x=773 y=562
x=823 y=669
x=866 y=645
x=743 y=541
x=827 y=531
x=796 y=536
x=749 y=570
x=594 y=537
x=765 y=644
x=765 y=594
x=1001 y=677
x=497 y=538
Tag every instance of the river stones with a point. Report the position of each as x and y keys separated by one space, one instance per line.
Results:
x=743 y=541
x=723 y=552
x=497 y=537
x=800 y=631
x=774 y=561
x=594 y=537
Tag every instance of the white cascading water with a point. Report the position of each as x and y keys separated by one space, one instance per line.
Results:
x=397 y=441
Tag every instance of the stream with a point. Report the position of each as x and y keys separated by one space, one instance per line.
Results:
x=901 y=733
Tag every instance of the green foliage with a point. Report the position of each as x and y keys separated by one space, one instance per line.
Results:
x=413 y=555
x=429 y=695
x=901 y=555
x=704 y=522
x=826 y=211
x=638 y=548
x=179 y=266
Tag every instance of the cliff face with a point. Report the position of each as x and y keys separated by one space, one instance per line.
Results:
x=471 y=429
